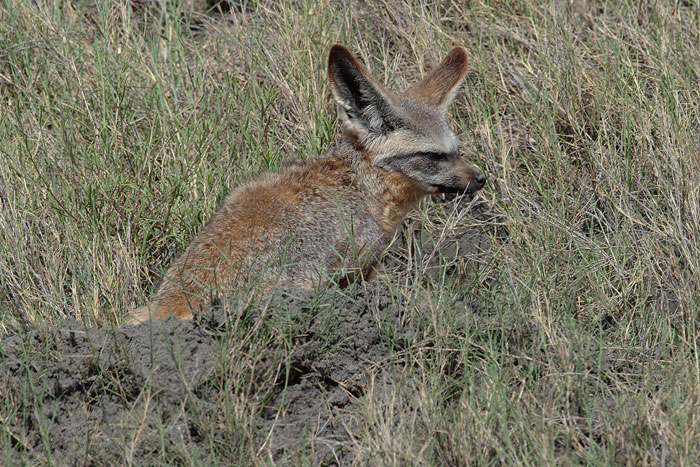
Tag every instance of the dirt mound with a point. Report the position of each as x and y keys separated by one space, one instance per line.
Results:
x=291 y=370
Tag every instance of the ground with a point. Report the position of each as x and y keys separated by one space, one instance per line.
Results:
x=550 y=319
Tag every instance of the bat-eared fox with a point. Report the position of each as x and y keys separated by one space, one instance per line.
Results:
x=328 y=218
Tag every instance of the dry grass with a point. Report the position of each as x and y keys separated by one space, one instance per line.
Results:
x=556 y=316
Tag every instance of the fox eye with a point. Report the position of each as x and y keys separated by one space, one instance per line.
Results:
x=438 y=156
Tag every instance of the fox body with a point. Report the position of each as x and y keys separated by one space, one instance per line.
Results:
x=331 y=217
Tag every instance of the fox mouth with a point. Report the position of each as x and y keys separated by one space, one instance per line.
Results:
x=472 y=187
x=454 y=190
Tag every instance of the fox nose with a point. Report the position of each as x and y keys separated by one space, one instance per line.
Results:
x=480 y=179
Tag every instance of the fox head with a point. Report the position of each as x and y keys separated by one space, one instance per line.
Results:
x=405 y=133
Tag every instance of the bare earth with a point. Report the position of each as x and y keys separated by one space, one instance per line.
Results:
x=120 y=394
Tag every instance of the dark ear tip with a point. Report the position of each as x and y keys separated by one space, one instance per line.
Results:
x=457 y=55
x=338 y=51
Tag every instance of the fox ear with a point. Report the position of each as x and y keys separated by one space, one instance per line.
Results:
x=365 y=107
x=440 y=86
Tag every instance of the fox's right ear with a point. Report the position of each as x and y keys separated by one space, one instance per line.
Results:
x=366 y=108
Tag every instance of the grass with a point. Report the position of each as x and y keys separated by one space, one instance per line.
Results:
x=553 y=320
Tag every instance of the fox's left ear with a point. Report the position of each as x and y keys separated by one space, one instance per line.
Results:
x=440 y=86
